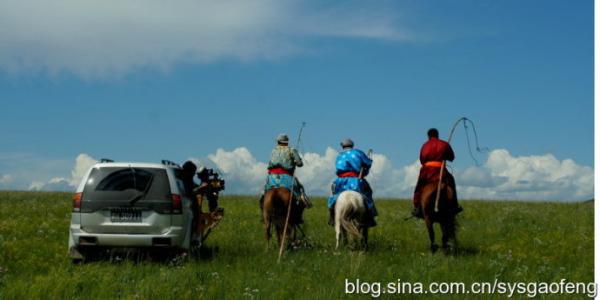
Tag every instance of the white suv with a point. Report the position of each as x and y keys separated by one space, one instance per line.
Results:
x=130 y=205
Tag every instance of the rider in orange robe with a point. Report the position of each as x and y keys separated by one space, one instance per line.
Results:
x=433 y=153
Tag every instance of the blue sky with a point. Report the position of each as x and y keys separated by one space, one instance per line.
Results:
x=381 y=72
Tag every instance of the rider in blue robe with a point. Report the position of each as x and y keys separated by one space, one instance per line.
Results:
x=352 y=166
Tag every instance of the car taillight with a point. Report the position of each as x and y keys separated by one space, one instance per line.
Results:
x=176 y=203
x=77 y=202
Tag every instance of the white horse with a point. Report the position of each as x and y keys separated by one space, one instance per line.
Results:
x=350 y=215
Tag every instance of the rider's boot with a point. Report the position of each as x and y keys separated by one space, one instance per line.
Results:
x=304 y=198
x=370 y=221
x=417 y=212
x=458 y=209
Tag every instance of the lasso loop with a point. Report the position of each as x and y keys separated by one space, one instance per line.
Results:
x=466 y=121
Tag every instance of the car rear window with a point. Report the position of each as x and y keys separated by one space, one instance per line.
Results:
x=127 y=183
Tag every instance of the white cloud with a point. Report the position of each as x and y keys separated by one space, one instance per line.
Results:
x=58 y=184
x=318 y=171
x=107 y=38
x=536 y=177
x=83 y=163
x=244 y=174
x=502 y=176
x=36 y=186
x=6 y=179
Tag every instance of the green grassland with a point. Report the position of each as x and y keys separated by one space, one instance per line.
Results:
x=510 y=241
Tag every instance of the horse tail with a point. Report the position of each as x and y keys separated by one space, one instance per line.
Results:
x=266 y=214
x=350 y=227
x=344 y=209
x=452 y=222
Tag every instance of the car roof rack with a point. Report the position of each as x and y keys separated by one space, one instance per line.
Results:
x=167 y=162
x=106 y=160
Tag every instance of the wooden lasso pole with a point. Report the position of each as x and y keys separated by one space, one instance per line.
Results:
x=443 y=167
x=289 y=211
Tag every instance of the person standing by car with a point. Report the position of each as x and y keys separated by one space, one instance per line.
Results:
x=188 y=171
x=210 y=185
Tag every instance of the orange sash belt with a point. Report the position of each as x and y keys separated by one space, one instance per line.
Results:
x=433 y=164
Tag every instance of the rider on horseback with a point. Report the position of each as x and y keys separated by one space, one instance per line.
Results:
x=282 y=165
x=352 y=165
x=433 y=153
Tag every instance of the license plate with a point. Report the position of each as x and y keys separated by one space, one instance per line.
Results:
x=125 y=215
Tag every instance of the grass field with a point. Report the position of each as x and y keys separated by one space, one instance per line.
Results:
x=508 y=241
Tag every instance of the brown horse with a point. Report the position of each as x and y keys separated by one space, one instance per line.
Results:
x=275 y=207
x=444 y=217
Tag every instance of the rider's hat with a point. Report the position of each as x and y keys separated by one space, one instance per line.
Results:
x=347 y=143
x=283 y=139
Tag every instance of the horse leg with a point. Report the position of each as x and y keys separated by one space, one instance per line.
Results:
x=365 y=235
x=448 y=235
x=292 y=239
x=279 y=233
x=266 y=205
x=338 y=233
x=429 y=224
x=267 y=225
x=445 y=236
x=295 y=237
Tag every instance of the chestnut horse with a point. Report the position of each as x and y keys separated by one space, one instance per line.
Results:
x=275 y=207
x=444 y=217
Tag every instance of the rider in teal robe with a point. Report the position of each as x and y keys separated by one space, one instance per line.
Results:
x=282 y=165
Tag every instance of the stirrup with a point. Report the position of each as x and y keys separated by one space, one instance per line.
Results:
x=306 y=201
x=458 y=210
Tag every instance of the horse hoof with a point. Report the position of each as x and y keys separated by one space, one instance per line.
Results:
x=449 y=250
x=434 y=248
